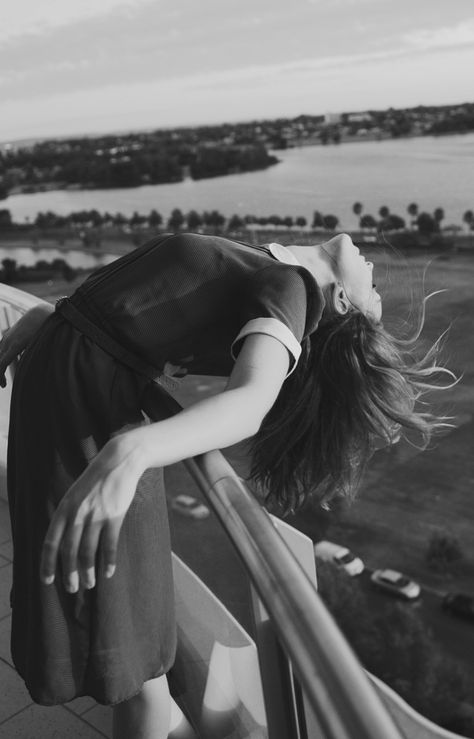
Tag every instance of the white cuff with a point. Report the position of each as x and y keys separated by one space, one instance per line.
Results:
x=271 y=327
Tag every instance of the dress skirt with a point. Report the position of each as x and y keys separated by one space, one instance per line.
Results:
x=69 y=397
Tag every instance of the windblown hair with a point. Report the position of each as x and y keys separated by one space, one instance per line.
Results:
x=355 y=384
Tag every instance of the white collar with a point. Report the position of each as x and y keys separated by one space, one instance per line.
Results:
x=282 y=254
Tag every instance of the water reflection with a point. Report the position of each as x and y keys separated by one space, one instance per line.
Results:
x=28 y=256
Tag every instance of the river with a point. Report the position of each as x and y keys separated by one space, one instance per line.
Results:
x=28 y=256
x=433 y=172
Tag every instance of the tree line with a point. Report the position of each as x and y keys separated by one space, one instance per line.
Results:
x=421 y=220
x=11 y=273
x=192 y=220
x=418 y=220
x=127 y=161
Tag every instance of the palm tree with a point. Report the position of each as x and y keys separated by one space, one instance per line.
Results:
x=384 y=211
x=274 y=220
x=236 y=223
x=119 y=219
x=301 y=221
x=394 y=222
x=193 y=220
x=330 y=222
x=426 y=224
x=413 y=212
x=438 y=215
x=468 y=218
x=357 y=209
x=137 y=219
x=317 y=220
x=176 y=219
x=368 y=221
x=9 y=270
x=214 y=220
x=5 y=218
x=155 y=219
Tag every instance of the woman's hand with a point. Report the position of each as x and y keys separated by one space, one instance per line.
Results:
x=85 y=528
x=86 y=525
x=17 y=338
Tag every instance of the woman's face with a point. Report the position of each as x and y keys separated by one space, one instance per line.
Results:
x=355 y=275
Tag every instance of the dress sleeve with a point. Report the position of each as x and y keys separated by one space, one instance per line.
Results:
x=275 y=302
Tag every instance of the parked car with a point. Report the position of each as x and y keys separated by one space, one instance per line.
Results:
x=396 y=583
x=341 y=556
x=189 y=506
x=459 y=604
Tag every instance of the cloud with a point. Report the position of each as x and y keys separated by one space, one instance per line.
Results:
x=34 y=17
x=139 y=66
x=259 y=93
x=133 y=41
x=76 y=72
x=462 y=34
x=249 y=56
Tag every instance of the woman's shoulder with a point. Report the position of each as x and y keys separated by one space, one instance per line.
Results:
x=212 y=253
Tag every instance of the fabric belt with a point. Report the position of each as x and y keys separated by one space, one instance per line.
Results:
x=70 y=312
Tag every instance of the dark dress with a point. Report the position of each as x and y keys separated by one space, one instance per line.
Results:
x=181 y=303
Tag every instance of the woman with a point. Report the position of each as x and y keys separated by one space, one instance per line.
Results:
x=313 y=378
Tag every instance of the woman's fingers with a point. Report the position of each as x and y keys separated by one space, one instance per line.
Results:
x=109 y=544
x=87 y=555
x=77 y=547
x=68 y=551
x=50 y=551
x=86 y=526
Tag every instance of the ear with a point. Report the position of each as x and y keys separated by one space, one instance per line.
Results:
x=340 y=300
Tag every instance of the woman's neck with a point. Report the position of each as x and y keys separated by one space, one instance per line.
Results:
x=317 y=261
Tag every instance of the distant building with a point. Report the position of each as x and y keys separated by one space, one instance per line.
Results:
x=332 y=119
x=358 y=117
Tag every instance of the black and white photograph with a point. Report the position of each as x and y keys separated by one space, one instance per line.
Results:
x=237 y=369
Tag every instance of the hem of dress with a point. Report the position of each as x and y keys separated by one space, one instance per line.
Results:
x=100 y=701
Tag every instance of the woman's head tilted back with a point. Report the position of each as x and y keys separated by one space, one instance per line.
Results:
x=352 y=286
x=355 y=385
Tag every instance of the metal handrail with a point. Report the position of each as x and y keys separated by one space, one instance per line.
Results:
x=18 y=299
x=340 y=694
x=344 y=701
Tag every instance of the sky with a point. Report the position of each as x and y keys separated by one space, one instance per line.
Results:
x=71 y=67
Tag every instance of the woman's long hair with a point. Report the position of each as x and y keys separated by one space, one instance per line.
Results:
x=355 y=384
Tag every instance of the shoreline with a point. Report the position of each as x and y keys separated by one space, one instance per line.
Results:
x=112 y=240
x=302 y=142
x=308 y=179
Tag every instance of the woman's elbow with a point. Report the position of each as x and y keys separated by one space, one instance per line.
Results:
x=246 y=423
x=251 y=402
x=257 y=413
x=254 y=424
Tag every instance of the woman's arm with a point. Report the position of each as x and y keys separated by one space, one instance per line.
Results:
x=89 y=518
x=17 y=338
x=224 y=419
